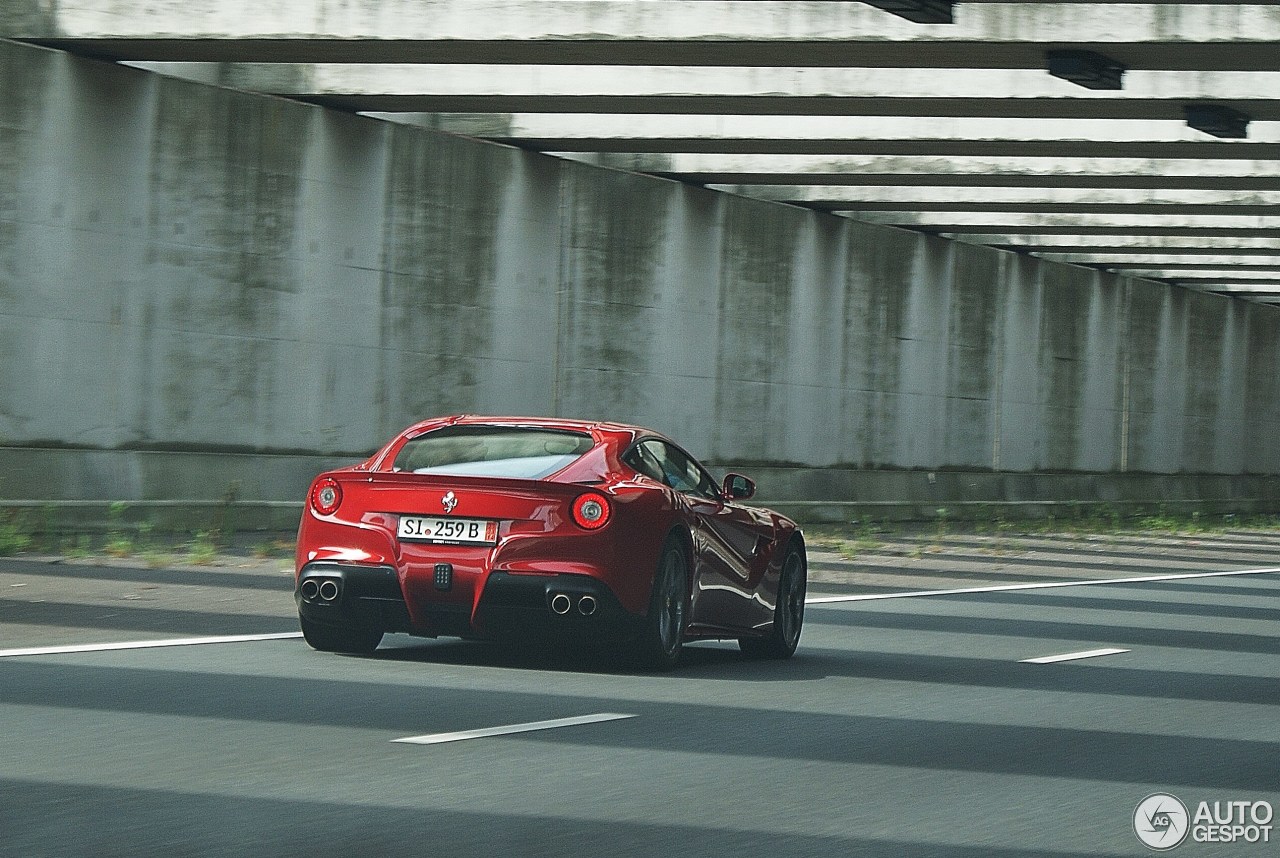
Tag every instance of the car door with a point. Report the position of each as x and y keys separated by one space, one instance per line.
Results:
x=728 y=562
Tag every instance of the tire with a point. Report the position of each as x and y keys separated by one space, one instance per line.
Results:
x=788 y=613
x=340 y=638
x=662 y=638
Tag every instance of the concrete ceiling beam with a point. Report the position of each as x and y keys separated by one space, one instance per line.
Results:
x=847 y=135
x=816 y=179
x=1221 y=275
x=1152 y=259
x=1030 y=242
x=1237 y=288
x=1029 y=199
x=1039 y=195
x=613 y=32
x=1079 y=225
x=1115 y=2
x=788 y=90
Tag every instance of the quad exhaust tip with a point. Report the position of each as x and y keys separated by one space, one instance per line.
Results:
x=320 y=590
x=562 y=604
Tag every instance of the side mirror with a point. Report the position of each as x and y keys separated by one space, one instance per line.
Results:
x=738 y=487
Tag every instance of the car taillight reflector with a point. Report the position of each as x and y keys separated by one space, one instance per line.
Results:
x=591 y=511
x=326 y=496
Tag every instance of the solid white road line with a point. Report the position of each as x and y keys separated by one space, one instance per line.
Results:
x=1072 y=656
x=440 y=738
x=1001 y=588
x=106 y=647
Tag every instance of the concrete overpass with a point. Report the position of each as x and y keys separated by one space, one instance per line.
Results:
x=1033 y=204
x=952 y=128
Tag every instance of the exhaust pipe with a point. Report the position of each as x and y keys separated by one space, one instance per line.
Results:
x=310 y=589
x=329 y=590
x=560 y=604
x=587 y=605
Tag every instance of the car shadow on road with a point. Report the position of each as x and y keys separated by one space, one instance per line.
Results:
x=700 y=660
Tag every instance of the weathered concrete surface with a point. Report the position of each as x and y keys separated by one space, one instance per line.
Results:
x=1126 y=244
x=1031 y=200
x=708 y=79
x=1174 y=260
x=818 y=170
x=709 y=33
x=1191 y=226
x=850 y=135
x=192 y=268
x=818 y=94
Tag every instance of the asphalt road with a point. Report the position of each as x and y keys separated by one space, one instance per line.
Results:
x=906 y=726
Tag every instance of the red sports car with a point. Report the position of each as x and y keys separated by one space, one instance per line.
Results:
x=498 y=526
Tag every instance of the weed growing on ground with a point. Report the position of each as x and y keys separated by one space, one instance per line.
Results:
x=1162 y=522
x=940 y=528
x=119 y=542
x=274 y=548
x=203 y=548
x=78 y=546
x=853 y=540
x=849 y=541
x=15 y=532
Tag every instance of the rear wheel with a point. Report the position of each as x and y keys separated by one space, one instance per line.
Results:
x=788 y=613
x=340 y=638
x=660 y=643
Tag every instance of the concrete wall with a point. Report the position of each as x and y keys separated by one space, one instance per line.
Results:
x=201 y=271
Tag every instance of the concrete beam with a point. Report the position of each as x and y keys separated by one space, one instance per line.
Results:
x=810 y=179
x=1030 y=242
x=848 y=135
x=1203 y=271
x=784 y=90
x=1077 y=225
x=1036 y=199
x=614 y=32
x=1115 y=2
x=1230 y=274
x=1157 y=259
x=1185 y=276
x=1271 y=297
x=1241 y=288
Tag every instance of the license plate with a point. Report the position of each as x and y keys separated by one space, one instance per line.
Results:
x=472 y=531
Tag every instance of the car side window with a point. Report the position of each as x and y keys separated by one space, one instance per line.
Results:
x=679 y=471
x=641 y=458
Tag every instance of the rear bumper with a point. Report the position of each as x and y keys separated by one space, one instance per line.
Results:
x=571 y=605
x=362 y=596
x=511 y=605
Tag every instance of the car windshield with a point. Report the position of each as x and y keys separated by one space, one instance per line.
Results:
x=492 y=451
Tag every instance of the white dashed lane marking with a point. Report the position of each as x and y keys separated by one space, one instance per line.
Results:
x=107 y=647
x=1072 y=656
x=485 y=732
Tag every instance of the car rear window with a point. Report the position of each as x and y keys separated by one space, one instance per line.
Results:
x=492 y=451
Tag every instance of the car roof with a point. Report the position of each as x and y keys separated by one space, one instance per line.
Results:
x=621 y=434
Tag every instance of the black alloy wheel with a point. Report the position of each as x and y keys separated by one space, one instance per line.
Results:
x=788 y=614
x=663 y=636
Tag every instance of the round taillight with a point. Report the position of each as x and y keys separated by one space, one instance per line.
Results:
x=326 y=496
x=591 y=511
